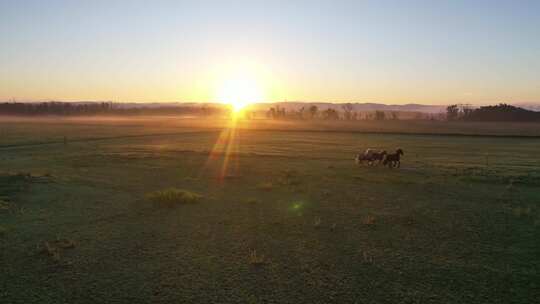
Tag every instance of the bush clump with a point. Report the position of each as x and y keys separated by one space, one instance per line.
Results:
x=172 y=197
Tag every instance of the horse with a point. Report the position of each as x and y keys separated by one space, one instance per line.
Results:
x=370 y=155
x=393 y=160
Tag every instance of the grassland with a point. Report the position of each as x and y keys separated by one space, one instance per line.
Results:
x=281 y=215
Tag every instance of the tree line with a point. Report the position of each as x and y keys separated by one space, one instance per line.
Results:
x=102 y=108
x=500 y=112
x=313 y=112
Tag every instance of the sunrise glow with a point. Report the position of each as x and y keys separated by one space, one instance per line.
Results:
x=239 y=91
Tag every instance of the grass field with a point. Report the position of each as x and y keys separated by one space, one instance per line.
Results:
x=277 y=215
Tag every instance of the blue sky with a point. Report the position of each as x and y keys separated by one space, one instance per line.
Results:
x=431 y=52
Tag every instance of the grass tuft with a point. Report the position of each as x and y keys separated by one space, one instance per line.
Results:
x=172 y=197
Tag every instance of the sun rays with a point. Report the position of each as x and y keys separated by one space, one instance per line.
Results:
x=226 y=149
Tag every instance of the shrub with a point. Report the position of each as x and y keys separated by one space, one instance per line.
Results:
x=172 y=197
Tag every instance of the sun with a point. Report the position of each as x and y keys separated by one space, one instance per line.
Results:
x=240 y=91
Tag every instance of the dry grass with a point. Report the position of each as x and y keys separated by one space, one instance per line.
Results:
x=4 y=206
x=265 y=186
x=522 y=211
x=367 y=257
x=172 y=197
x=289 y=173
x=63 y=243
x=50 y=250
x=252 y=201
x=53 y=248
x=256 y=259
x=317 y=222
x=289 y=178
x=368 y=220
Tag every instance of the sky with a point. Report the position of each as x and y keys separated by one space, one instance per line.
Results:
x=397 y=52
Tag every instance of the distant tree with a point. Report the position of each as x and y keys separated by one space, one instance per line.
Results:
x=300 y=113
x=347 y=111
x=502 y=112
x=394 y=115
x=313 y=111
x=466 y=111
x=282 y=113
x=103 y=108
x=452 y=112
x=271 y=113
x=330 y=114
x=380 y=115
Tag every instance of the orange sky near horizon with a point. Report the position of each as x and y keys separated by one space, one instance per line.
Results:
x=427 y=52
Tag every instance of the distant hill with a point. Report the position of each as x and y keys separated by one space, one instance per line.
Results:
x=501 y=112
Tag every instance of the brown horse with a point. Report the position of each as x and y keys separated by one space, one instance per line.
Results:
x=393 y=159
x=370 y=155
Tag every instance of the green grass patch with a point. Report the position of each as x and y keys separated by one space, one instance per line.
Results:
x=172 y=197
